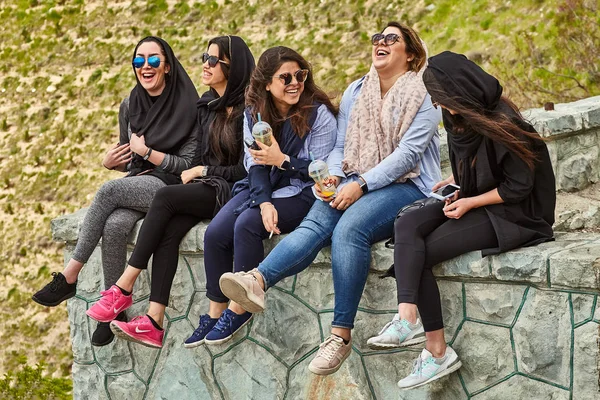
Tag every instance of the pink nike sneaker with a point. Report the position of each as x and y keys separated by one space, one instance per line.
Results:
x=139 y=330
x=112 y=302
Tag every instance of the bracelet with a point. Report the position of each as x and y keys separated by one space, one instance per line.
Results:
x=147 y=155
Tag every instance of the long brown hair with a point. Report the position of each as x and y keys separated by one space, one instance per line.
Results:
x=224 y=138
x=413 y=45
x=495 y=125
x=259 y=100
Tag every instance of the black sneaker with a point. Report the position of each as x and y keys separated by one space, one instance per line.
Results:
x=103 y=335
x=56 y=291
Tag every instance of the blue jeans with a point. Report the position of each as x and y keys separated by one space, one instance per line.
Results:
x=350 y=234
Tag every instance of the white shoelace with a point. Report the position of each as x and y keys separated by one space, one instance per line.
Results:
x=329 y=347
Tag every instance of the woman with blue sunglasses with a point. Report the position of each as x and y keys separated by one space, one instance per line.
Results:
x=156 y=144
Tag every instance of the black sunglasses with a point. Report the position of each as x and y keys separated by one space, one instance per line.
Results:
x=388 y=39
x=286 y=77
x=212 y=60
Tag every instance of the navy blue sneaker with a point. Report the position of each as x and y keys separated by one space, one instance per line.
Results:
x=204 y=326
x=228 y=325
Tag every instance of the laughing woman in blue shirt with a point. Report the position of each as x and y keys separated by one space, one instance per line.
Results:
x=386 y=156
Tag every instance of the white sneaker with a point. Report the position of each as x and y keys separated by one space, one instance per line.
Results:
x=398 y=333
x=426 y=368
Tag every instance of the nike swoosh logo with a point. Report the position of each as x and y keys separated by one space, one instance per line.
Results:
x=138 y=330
x=117 y=310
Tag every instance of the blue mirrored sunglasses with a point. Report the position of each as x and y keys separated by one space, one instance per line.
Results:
x=139 y=61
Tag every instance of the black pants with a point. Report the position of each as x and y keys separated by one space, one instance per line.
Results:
x=174 y=211
x=426 y=237
x=244 y=233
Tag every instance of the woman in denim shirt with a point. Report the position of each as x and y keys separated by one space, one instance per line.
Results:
x=386 y=156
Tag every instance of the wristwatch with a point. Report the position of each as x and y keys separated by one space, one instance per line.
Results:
x=363 y=185
x=147 y=155
x=204 y=171
x=286 y=163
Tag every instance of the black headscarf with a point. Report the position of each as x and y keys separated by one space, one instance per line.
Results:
x=241 y=66
x=167 y=122
x=470 y=86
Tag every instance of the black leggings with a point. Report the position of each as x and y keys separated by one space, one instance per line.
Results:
x=426 y=237
x=174 y=211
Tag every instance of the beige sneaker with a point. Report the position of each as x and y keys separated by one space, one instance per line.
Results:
x=244 y=289
x=332 y=353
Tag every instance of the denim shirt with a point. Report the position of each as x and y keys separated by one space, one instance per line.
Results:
x=320 y=141
x=420 y=145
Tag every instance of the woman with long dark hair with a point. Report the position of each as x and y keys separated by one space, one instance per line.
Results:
x=218 y=164
x=277 y=193
x=156 y=144
x=506 y=200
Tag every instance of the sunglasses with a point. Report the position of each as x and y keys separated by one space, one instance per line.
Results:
x=139 y=61
x=212 y=60
x=388 y=39
x=286 y=77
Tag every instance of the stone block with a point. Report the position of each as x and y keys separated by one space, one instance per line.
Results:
x=80 y=331
x=452 y=306
x=520 y=387
x=66 y=227
x=586 y=380
x=286 y=283
x=381 y=257
x=237 y=381
x=486 y=354
x=366 y=325
x=199 y=306
x=126 y=386
x=315 y=286
x=542 y=336
x=91 y=278
x=287 y=327
x=196 y=265
x=492 y=302
x=88 y=382
x=576 y=144
x=141 y=287
x=181 y=291
x=469 y=264
x=582 y=307
x=379 y=294
x=114 y=357
x=527 y=264
x=578 y=171
x=349 y=382
x=576 y=267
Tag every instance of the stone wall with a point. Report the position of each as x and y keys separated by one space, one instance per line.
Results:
x=525 y=324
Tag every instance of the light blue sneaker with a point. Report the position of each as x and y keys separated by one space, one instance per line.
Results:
x=427 y=369
x=227 y=326
x=398 y=333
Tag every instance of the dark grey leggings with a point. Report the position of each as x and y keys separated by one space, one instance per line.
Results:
x=426 y=237
x=118 y=205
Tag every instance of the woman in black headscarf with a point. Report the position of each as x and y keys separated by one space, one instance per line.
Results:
x=156 y=144
x=506 y=200
x=218 y=164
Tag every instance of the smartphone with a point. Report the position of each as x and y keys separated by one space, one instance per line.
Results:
x=445 y=192
x=251 y=144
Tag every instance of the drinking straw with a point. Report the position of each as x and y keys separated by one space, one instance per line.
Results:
x=258 y=116
x=312 y=156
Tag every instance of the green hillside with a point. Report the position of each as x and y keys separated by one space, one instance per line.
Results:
x=65 y=67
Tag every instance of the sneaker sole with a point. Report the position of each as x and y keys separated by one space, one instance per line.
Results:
x=445 y=372
x=236 y=292
x=192 y=345
x=383 y=346
x=228 y=338
x=124 y=335
x=328 y=371
x=67 y=297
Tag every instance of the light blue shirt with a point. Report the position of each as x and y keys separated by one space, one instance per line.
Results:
x=420 y=145
x=320 y=141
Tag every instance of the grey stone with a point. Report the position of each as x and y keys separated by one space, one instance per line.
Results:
x=563 y=221
x=126 y=386
x=592 y=217
x=578 y=171
x=452 y=306
x=287 y=327
x=181 y=291
x=326 y=319
x=527 y=264
x=181 y=373
x=66 y=227
x=520 y=387
x=141 y=287
x=114 y=357
x=385 y=370
x=557 y=122
x=582 y=307
x=349 y=382
x=577 y=267
x=80 y=331
x=577 y=222
x=576 y=144
x=88 y=382
x=486 y=354
x=493 y=303
x=240 y=381
x=381 y=257
x=91 y=278
x=379 y=294
x=366 y=325
x=315 y=286
x=469 y=264
x=586 y=379
x=286 y=283
x=196 y=265
x=542 y=336
x=199 y=306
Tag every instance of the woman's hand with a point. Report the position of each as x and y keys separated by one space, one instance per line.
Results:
x=347 y=196
x=458 y=208
x=138 y=145
x=270 y=217
x=117 y=156
x=336 y=181
x=189 y=174
x=268 y=155
x=445 y=182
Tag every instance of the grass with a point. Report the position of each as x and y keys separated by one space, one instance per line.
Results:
x=66 y=67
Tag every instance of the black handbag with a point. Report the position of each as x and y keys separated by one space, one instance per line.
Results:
x=416 y=205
